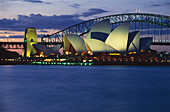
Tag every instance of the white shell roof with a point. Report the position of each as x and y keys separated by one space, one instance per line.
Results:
x=103 y=26
x=77 y=42
x=134 y=41
x=98 y=46
x=118 y=38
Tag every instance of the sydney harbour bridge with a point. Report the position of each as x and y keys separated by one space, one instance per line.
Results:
x=149 y=25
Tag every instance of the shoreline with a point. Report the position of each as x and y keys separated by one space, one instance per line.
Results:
x=93 y=63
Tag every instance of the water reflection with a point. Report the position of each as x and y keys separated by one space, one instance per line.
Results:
x=84 y=88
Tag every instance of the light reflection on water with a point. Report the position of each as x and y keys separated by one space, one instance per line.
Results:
x=84 y=89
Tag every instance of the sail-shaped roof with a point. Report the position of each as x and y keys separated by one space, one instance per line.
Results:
x=98 y=46
x=47 y=50
x=43 y=48
x=102 y=27
x=74 y=40
x=118 y=38
x=133 y=41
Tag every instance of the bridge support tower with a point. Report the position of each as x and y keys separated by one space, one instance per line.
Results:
x=30 y=38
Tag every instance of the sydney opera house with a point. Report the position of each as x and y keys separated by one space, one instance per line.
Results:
x=100 y=39
x=44 y=51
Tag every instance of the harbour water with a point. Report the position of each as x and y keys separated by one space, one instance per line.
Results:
x=35 y=88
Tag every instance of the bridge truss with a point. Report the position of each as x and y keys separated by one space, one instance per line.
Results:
x=149 y=25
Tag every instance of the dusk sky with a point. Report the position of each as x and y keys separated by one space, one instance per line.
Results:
x=49 y=16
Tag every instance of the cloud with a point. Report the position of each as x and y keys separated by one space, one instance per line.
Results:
x=7 y=33
x=32 y=1
x=93 y=11
x=39 y=22
x=75 y=5
x=167 y=3
x=45 y=22
x=157 y=5
x=2 y=1
x=36 y=1
x=163 y=4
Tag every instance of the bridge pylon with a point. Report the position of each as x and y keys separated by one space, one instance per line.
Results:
x=30 y=38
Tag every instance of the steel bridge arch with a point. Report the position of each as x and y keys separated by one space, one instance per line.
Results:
x=84 y=27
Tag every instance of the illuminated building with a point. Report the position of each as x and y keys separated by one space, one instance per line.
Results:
x=95 y=40
x=100 y=31
x=95 y=45
x=44 y=51
x=30 y=38
x=101 y=39
x=73 y=44
x=118 y=38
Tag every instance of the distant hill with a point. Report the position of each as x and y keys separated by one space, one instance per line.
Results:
x=8 y=54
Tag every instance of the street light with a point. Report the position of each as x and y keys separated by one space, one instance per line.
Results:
x=7 y=37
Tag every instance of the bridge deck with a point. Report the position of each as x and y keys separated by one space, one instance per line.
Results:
x=20 y=45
